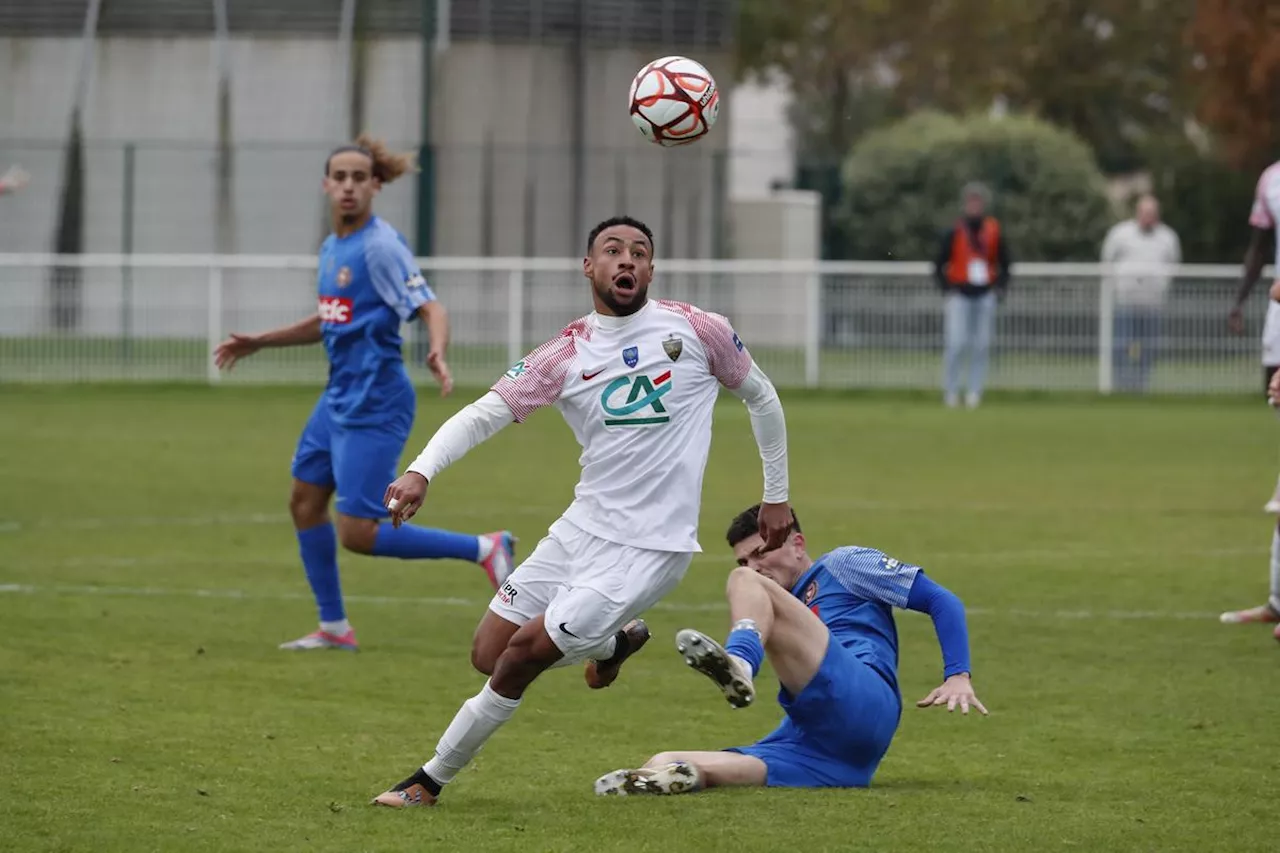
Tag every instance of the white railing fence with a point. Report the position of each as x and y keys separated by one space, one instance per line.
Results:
x=88 y=318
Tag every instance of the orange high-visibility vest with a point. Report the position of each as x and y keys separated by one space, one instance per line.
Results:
x=964 y=249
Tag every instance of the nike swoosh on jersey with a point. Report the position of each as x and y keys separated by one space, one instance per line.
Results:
x=587 y=377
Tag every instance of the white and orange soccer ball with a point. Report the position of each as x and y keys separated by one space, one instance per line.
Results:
x=674 y=101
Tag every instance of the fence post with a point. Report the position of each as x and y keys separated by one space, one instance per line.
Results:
x=812 y=329
x=1106 y=331
x=213 y=329
x=515 y=316
x=126 y=249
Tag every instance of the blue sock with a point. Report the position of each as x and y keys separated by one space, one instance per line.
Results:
x=319 y=547
x=424 y=543
x=744 y=642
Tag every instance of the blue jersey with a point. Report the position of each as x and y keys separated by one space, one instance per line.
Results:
x=853 y=590
x=369 y=285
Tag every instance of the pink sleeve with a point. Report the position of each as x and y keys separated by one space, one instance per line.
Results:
x=537 y=380
x=1260 y=216
x=727 y=357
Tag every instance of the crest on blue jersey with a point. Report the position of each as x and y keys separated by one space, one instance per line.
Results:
x=810 y=592
x=631 y=356
x=415 y=279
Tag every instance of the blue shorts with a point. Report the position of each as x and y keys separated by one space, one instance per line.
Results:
x=359 y=462
x=837 y=729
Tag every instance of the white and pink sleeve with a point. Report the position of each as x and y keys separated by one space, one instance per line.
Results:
x=1261 y=215
x=727 y=357
x=537 y=380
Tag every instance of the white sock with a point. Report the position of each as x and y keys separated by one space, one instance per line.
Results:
x=338 y=629
x=1274 y=600
x=743 y=663
x=486 y=548
x=476 y=721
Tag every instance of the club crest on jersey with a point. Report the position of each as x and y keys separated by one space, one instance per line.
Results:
x=344 y=277
x=636 y=401
x=810 y=593
x=631 y=356
x=673 y=346
x=415 y=279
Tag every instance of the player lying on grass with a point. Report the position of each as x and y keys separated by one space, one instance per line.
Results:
x=828 y=629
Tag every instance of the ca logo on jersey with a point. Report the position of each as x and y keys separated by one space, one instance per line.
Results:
x=631 y=401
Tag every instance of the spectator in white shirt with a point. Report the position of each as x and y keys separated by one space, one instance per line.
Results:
x=1140 y=251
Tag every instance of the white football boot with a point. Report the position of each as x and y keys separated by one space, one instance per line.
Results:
x=678 y=777
x=730 y=673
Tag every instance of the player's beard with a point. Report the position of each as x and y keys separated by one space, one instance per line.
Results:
x=639 y=295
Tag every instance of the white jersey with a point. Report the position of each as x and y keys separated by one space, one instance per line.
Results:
x=1265 y=213
x=638 y=393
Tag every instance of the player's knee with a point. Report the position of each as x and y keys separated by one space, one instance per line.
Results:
x=483 y=657
x=742 y=575
x=357 y=534
x=525 y=658
x=308 y=506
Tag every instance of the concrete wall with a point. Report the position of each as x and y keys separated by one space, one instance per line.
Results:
x=785 y=225
x=502 y=126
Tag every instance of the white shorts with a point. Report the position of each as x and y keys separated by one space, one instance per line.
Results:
x=585 y=587
x=1271 y=335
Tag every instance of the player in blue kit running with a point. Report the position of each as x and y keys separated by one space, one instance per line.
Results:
x=827 y=627
x=369 y=285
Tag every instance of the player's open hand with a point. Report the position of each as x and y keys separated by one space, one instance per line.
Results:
x=233 y=349
x=956 y=690
x=775 y=524
x=440 y=370
x=404 y=497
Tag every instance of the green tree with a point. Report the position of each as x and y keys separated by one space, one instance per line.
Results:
x=902 y=184
x=1113 y=71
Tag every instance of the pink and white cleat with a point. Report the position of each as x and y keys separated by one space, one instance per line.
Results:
x=323 y=640
x=1264 y=613
x=501 y=561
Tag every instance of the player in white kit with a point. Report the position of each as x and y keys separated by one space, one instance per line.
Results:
x=1263 y=218
x=637 y=382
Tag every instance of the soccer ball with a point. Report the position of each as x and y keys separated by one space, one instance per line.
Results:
x=674 y=101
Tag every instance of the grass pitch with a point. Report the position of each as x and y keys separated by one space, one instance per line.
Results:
x=148 y=571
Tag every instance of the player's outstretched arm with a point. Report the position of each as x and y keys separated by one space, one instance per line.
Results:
x=769 y=425
x=238 y=346
x=469 y=428
x=731 y=363
x=947 y=612
x=436 y=317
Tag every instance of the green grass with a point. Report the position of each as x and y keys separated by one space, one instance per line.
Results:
x=145 y=706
